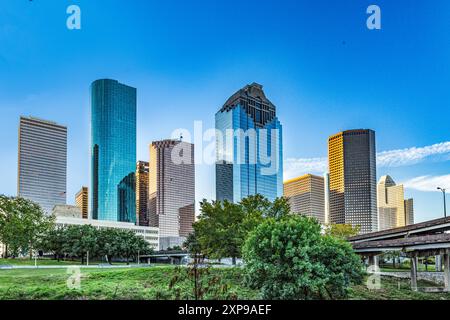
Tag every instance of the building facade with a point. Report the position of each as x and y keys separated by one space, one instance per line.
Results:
x=409 y=211
x=249 y=147
x=306 y=195
x=172 y=191
x=82 y=201
x=42 y=162
x=391 y=204
x=353 y=186
x=142 y=179
x=113 y=151
x=71 y=215
x=326 y=178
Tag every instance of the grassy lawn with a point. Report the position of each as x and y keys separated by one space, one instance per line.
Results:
x=153 y=284
x=49 y=262
x=100 y=284
x=396 y=289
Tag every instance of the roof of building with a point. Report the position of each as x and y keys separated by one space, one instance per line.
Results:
x=254 y=90
x=305 y=176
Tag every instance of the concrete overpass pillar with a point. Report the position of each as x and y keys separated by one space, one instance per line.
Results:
x=447 y=271
x=414 y=273
x=373 y=261
x=438 y=260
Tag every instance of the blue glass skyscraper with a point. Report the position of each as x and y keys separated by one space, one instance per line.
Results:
x=249 y=147
x=113 y=151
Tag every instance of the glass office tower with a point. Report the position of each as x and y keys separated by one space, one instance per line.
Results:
x=113 y=151
x=249 y=147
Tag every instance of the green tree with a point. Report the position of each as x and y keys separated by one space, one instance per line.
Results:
x=23 y=224
x=223 y=226
x=342 y=231
x=81 y=240
x=108 y=243
x=220 y=229
x=130 y=245
x=289 y=258
x=54 y=242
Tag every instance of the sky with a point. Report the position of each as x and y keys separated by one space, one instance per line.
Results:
x=318 y=62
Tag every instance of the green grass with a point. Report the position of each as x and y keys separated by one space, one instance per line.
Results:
x=152 y=283
x=396 y=289
x=49 y=262
x=100 y=284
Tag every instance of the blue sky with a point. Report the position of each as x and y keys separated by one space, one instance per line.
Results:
x=319 y=64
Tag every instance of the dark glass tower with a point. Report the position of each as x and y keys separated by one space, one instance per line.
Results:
x=353 y=185
x=249 y=147
x=113 y=151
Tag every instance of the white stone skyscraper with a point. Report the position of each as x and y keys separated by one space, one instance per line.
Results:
x=42 y=167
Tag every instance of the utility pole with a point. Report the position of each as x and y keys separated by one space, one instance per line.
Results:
x=445 y=204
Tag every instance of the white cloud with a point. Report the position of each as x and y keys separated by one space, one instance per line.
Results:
x=297 y=167
x=428 y=183
x=404 y=157
x=394 y=158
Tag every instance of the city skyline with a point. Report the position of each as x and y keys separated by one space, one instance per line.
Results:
x=339 y=77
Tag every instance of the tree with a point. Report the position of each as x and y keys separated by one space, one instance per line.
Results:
x=108 y=245
x=23 y=224
x=220 y=229
x=130 y=245
x=54 y=242
x=223 y=226
x=79 y=240
x=289 y=258
x=342 y=231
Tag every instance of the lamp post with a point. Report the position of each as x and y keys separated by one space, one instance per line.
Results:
x=445 y=205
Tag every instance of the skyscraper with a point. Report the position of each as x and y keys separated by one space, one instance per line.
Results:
x=326 y=178
x=113 y=151
x=142 y=177
x=249 y=147
x=393 y=210
x=81 y=201
x=172 y=190
x=306 y=195
x=409 y=211
x=353 y=193
x=42 y=171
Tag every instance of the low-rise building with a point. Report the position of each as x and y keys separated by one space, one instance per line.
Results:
x=72 y=215
x=81 y=200
x=306 y=195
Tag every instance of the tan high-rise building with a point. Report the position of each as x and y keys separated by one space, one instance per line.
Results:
x=352 y=185
x=409 y=211
x=391 y=204
x=81 y=201
x=306 y=195
x=142 y=179
x=172 y=190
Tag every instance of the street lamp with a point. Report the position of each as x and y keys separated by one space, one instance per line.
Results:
x=445 y=205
